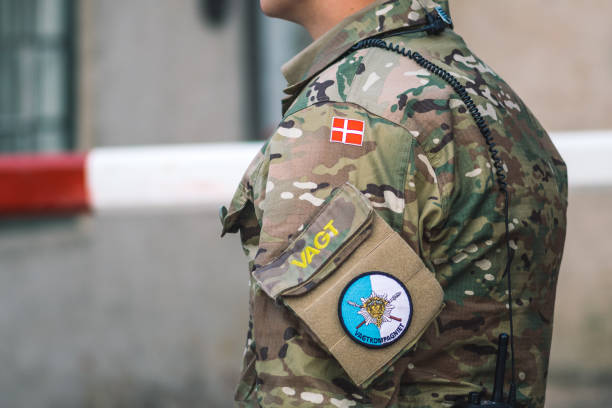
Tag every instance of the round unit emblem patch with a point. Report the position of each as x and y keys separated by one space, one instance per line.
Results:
x=375 y=309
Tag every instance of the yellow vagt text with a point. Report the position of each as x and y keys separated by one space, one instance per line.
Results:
x=320 y=241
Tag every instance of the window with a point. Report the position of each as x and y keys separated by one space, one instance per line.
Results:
x=37 y=75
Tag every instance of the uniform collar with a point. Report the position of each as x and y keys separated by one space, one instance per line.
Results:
x=380 y=17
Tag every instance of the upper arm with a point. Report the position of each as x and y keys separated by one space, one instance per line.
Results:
x=305 y=166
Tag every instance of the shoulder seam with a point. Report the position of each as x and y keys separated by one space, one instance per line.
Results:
x=443 y=200
x=320 y=104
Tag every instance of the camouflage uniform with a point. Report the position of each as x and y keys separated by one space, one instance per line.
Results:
x=425 y=168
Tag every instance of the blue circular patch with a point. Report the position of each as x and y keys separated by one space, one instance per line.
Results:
x=375 y=309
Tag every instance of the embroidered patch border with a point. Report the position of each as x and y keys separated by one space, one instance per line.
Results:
x=375 y=309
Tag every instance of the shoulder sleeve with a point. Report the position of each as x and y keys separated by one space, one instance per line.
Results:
x=320 y=148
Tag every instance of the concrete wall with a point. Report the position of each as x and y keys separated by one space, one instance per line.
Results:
x=149 y=309
x=122 y=310
x=152 y=72
x=556 y=54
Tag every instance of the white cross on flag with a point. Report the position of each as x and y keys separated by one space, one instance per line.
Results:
x=347 y=131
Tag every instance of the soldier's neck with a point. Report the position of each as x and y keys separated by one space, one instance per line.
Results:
x=320 y=16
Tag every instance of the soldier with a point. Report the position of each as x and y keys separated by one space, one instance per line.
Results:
x=407 y=140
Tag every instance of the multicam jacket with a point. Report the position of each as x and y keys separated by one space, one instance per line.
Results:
x=425 y=168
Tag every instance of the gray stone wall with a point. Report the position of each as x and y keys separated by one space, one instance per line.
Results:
x=123 y=310
x=152 y=71
x=556 y=54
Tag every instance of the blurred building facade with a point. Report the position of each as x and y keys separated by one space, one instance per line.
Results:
x=150 y=309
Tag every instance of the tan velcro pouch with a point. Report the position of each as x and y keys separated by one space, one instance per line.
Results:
x=345 y=243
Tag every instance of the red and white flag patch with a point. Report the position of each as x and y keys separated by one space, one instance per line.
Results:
x=347 y=131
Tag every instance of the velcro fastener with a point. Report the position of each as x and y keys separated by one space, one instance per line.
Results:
x=384 y=251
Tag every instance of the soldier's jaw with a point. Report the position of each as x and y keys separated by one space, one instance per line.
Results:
x=285 y=9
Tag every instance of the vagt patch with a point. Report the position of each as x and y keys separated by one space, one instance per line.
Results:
x=375 y=309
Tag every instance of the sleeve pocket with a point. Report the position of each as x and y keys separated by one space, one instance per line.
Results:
x=365 y=295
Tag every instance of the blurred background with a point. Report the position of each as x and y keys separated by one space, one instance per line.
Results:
x=149 y=308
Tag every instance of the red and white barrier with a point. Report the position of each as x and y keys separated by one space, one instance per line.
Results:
x=166 y=176
x=43 y=184
x=123 y=178
x=194 y=175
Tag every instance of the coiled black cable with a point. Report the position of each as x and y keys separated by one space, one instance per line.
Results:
x=500 y=173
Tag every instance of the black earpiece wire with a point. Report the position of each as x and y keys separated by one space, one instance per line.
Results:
x=436 y=25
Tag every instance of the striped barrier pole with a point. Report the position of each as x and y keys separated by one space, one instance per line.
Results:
x=174 y=176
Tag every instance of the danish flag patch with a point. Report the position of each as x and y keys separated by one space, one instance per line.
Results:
x=347 y=131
